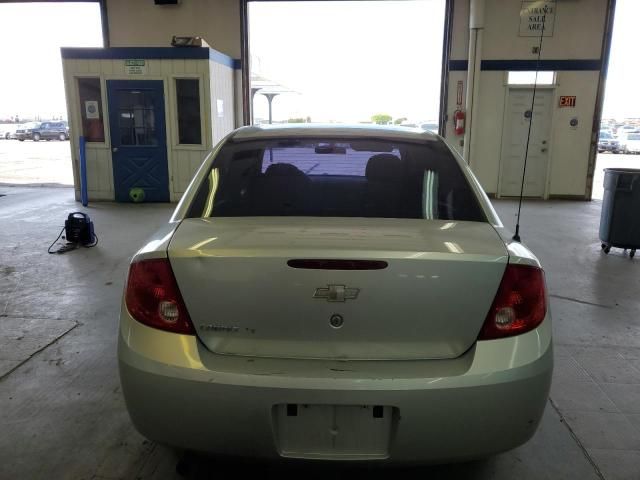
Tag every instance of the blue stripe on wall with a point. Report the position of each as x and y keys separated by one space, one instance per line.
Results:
x=223 y=59
x=457 y=65
x=529 y=65
x=150 y=53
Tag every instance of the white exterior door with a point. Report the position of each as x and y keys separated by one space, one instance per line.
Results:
x=514 y=143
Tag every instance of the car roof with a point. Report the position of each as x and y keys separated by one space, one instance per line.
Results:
x=389 y=132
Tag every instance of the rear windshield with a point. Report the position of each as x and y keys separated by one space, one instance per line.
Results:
x=634 y=136
x=336 y=178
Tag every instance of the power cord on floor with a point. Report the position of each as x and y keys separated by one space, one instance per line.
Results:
x=54 y=242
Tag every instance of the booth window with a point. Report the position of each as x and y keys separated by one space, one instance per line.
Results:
x=90 y=94
x=188 y=98
x=529 y=78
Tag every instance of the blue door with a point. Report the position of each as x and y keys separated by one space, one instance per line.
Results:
x=138 y=140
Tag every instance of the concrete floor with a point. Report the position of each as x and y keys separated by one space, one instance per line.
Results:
x=35 y=163
x=61 y=409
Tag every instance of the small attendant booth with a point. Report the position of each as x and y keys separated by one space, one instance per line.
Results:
x=148 y=116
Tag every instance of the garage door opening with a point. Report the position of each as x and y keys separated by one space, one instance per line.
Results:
x=619 y=140
x=346 y=62
x=34 y=147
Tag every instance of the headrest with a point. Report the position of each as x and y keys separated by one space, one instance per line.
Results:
x=283 y=170
x=384 y=167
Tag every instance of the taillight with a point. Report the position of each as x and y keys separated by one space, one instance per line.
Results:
x=153 y=297
x=520 y=304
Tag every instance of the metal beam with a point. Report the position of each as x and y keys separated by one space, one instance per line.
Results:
x=245 y=60
x=444 y=77
x=602 y=80
x=104 y=20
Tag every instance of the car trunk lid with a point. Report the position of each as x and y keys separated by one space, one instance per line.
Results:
x=263 y=286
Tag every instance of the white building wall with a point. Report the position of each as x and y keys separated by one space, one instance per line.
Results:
x=222 y=96
x=487 y=137
x=577 y=32
x=570 y=146
x=142 y=23
x=578 y=35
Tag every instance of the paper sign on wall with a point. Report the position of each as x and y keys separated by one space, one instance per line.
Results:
x=534 y=16
x=220 y=105
x=135 y=67
x=91 y=110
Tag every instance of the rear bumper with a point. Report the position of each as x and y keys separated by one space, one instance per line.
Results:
x=179 y=394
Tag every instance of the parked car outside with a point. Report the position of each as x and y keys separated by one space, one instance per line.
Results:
x=430 y=127
x=336 y=293
x=625 y=129
x=608 y=143
x=633 y=142
x=14 y=134
x=26 y=131
x=37 y=131
x=7 y=130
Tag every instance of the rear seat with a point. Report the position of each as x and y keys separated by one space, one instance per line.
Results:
x=282 y=190
x=383 y=197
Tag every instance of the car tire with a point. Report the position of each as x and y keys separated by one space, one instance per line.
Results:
x=62 y=137
x=21 y=139
x=36 y=137
x=7 y=136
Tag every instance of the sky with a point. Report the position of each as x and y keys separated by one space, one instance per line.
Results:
x=346 y=61
x=349 y=60
x=30 y=66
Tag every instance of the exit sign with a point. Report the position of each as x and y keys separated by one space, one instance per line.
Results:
x=567 y=101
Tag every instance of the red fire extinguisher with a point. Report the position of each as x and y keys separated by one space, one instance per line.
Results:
x=458 y=122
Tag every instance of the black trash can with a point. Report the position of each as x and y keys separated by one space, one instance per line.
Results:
x=620 y=217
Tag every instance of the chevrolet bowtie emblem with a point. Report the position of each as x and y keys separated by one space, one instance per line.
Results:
x=336 y=293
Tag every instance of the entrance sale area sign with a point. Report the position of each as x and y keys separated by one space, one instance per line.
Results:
x=536 y=17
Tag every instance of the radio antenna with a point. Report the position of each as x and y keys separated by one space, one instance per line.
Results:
x=516 y=235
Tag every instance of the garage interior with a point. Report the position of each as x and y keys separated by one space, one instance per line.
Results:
x=62 y=413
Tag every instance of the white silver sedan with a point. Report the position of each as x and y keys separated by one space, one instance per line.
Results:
x=336 y=293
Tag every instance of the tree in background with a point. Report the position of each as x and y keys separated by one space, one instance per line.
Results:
x=398 y=121
x=381 y=118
